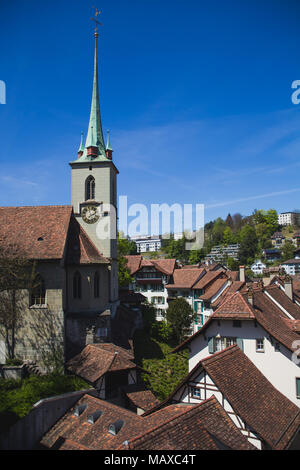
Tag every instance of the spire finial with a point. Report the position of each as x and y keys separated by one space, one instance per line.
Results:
x=97 y=12
x=95 y=134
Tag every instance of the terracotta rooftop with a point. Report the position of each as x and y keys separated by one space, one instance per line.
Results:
x=263 y=310
x=209 y=277
x=95 y=360
x=205 y=426
x=185 y=278
x=178 y=426
x=39 y=231
x=234 y=306
x=280 y=296
x=133 y=262
x=140 y=397
x=213 y=289
x=253 y=397
x=47 y=233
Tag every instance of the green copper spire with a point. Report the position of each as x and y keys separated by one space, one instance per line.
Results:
x=81 y=146
x=95 y=126
x=108 y=147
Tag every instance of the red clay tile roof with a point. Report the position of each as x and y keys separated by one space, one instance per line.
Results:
x=185 y=278
x=166 y=266
x=95 y=360
x=94 y=436
x=234 y=287
x=140 y=397
x=234 y=306
x=176 y=427
x=39 y=231
x=253 y=397
x=81 y=250
x=209 y=277
x=133 y=263
x=205 y=426
x=47 y=232
x=213 y=289
x=271 y=318
x=280 y=296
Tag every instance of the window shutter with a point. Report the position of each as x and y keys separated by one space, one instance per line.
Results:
x=211 y=345
x=298 y=387
x=240 y=343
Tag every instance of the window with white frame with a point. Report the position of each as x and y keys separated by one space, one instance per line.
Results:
x=260 y=345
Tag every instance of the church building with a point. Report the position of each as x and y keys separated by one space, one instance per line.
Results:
x=75 y=251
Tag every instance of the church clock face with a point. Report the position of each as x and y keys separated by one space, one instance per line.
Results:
x=90 y=214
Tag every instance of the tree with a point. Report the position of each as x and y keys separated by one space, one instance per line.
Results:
x=196 y=256
x=180 y=316
x=124 y=248
x=228 y=236
x=248 y=244
x=176 y=249
x=17 y=274
x=287 y=251
x=229 y=222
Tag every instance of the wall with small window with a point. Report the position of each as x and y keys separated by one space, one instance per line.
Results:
x=88 y=288
x=272 y=358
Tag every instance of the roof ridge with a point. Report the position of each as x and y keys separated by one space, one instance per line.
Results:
x=173 y=418
x=216 y=356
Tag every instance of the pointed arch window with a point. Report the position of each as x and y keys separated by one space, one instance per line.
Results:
x=77 y=285
x=96 y=285
x=90 y=188
x=38 y=291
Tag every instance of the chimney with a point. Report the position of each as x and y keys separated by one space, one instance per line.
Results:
x=288 y=287
x=250 y=295
x=242 y=273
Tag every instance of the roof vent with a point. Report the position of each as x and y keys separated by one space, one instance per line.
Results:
x=80 y=409
x=94 y=416
x=116 y=427
x=40 y=239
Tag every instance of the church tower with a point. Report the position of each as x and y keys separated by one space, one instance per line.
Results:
x=94 y=186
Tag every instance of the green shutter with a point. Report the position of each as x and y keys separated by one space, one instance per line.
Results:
x=298 y=387
x=240 y=343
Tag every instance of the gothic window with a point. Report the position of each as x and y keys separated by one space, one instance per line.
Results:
x=77 y=286
x=38 y=291
x=96 y=284
x=90 y=188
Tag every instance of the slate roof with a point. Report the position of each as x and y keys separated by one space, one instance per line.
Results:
x=95 y=360
x=177 y=426
x=253 y=397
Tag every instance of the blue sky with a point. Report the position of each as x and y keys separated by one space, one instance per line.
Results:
x=197 y=97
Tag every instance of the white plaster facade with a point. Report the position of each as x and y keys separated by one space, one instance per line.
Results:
x=275 y=362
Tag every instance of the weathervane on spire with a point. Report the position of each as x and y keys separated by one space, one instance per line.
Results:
x=97 y=12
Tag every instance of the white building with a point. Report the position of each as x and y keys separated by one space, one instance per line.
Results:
x=147 y=243
x=258 y=267
x=265 y=331
x=289 y=218
x=150 y=279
